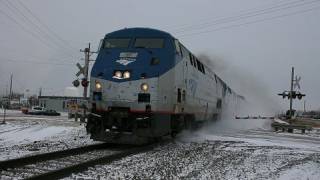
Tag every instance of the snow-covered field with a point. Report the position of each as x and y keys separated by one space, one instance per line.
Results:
x=25 y=134
x=246 y=153
x=222 y=154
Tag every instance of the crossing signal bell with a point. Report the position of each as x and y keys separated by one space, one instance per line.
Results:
x=84 y=82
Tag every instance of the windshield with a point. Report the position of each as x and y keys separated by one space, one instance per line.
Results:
x=149 y=43
x=116 y=43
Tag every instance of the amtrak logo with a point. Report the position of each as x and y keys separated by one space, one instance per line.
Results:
x=126 y=58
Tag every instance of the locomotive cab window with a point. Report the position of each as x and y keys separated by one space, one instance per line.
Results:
x=116 y=43
x=149 y=43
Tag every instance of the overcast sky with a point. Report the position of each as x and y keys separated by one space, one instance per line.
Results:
x=250 y=41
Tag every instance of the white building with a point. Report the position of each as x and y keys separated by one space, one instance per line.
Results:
x=59 y=103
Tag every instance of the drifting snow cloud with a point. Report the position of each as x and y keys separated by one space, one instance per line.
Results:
x=259 y=101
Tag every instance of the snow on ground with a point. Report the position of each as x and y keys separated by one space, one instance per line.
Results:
x=251 y=153
x=245 y=154
x=25 y=134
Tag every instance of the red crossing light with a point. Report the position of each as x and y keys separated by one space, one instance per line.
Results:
x=84 y=82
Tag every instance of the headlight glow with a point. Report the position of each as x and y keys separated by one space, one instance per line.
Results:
x=98 y=85
x=118 y=74
x=144 y=87
x=126 y=75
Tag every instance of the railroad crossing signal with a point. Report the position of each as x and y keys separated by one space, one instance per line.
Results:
x=81 y=70
x=84 y=82
x=76 y=83
x=296 y=82
x=293 y=95
x=84 y=70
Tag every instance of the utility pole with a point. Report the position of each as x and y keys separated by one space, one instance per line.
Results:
x=291 y=91
x=40 y=91
x=6 y=89
x=85 y=81
x=10 y=91
x=87 y=54
x=4 y=115
x=292 y=94
x=4 y=105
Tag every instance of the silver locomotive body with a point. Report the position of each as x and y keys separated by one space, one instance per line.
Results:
x=140 y=93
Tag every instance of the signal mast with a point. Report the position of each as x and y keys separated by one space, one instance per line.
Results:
x=293 y=94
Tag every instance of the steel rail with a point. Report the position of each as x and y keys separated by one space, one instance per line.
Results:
x=67 y=171
x=18 y=162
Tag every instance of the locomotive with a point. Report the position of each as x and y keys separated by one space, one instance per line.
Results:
x=145 y=85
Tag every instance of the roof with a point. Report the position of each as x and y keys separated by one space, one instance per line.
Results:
x=139 y=31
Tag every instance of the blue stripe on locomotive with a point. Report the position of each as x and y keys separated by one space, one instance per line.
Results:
x=106 y=64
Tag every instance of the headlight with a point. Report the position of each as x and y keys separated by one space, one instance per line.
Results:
x=118 y=74
x=126 y=75
x=98 y=85
x=144 y=87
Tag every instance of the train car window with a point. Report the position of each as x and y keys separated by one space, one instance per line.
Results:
x=199 y=65
x=203 y=69
x=116 y=43
x=149 y=43
x=179 y=96
x=194 y=61
x=190 y=57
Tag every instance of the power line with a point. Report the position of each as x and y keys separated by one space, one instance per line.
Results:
x=182 y=26
x=25 y=29
x=62 y=60
x=247 y=15
x=44 y=25
x=40 y=32
x=36 y=62
x=251 y=22
x=237 y=17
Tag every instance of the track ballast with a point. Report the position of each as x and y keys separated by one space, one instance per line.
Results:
x=63 y=163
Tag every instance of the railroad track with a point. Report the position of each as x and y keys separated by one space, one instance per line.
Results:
x=61 y=164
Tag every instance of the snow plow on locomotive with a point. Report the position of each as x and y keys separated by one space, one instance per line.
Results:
x=145 y=85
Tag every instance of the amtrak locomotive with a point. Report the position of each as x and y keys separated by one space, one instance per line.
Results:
x=145 y=85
